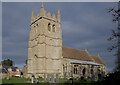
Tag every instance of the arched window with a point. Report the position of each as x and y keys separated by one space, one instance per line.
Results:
x=76 y=70
x=49 y=27
x=53 y=28
x=84 y=71
x=63 y=68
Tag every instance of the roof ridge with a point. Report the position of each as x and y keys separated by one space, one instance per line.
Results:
x=73 y=48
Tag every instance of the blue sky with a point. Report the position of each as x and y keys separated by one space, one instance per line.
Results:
x=84 y=25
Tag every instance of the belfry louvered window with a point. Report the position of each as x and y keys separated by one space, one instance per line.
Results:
x=53 y=28
x=49 y=27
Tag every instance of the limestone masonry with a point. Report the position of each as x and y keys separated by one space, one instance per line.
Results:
x=47 y=58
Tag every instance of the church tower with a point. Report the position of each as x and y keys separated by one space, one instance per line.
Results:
x=45 y=44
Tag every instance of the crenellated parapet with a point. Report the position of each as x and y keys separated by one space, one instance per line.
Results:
x=45 y=15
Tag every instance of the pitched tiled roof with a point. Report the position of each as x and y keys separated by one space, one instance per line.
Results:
x=77 y=54
x=24 y=68
x=98 y=59
x=71 y=53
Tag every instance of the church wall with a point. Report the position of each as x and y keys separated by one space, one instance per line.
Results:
x=41 y=39
x=52 y=67
x=30 y=53
x=65 y=69
x=53 y=41
x=41 y=50
x=53 y=52
x=30 y=66
x=82 y=70
x=41 y=65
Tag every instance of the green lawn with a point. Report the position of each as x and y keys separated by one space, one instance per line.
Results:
x=63 y=80
x=24 y=81
x=15 y=80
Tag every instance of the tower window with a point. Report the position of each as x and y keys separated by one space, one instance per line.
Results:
x=53 y=28
x=49 y=27
x=36 y=24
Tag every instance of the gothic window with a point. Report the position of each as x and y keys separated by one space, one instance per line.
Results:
x=84 y=70
x=53 y=28
x=49 y=27
x=63 y=68
x=91 y=71
x=74 y=71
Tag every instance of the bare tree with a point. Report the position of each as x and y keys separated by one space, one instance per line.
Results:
x=116 y=34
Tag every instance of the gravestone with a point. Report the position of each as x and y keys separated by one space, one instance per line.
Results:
x=32 y=80
x=52 y=78
x=44 y=77
x=48 y=77
x=57 y=78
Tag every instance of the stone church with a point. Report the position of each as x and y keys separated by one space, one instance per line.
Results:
x=47 y=57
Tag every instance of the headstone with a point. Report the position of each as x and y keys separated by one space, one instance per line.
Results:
x=48 y=77
x=52 y=78
x=77 y=78
x=44 y=77
x=36 y=81
x=57 y=78
x=71 y=80
x=32 y=80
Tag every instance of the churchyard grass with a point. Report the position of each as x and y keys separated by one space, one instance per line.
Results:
x=15 y=80
x=63 y=80
x=25 y=80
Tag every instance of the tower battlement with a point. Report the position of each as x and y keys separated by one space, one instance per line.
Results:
x=43 y=14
